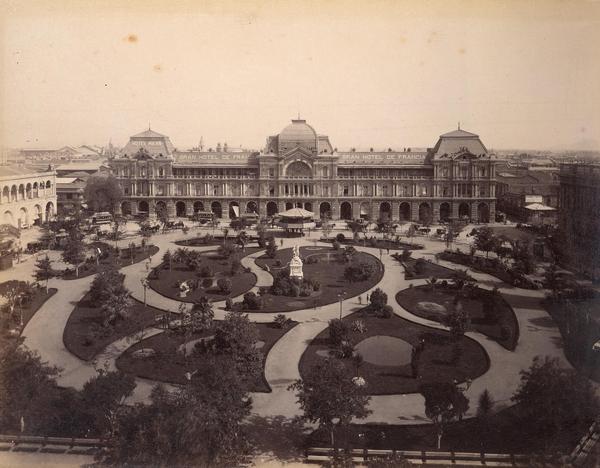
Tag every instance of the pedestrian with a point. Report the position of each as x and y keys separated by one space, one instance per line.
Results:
x=360 y=300
x=367 y=298
x=281 y=242
x=315 y=304
x=388 y=250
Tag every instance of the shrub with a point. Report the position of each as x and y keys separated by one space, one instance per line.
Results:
x=278 y=263
x=336 y=245
x=206 y=272
x=271 y=247
x=360 y=271
x=378 y=299
x=405 y=255
x=385 y=312
x=228 y=304
x=312 y=260
x=252 y=301
x=338 y=332
x=420 y=266
x=235 y=266
x=207 y=282
x=280 y=321
x=224 y=285
x=340 y=237
x=227 y=249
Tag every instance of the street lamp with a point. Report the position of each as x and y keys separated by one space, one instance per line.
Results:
x=145 y=285
x=341 y=297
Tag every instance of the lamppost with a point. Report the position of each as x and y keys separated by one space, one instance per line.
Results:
x=145 y=285
x=341 y=297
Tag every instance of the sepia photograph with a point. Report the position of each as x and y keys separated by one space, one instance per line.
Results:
x=299 y=233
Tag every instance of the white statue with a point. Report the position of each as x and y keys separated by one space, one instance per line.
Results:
x=184 y=289
x=296 y=264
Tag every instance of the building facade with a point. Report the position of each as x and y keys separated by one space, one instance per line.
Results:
x=300 y=168
x=579 y=216
x=26 y=196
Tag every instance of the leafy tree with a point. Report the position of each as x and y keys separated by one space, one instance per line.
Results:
x=74 y=252
x=167 y=259
x=457 y=320
x=280 y=321
x=338 y=332
x=326 y=227
x=116 y=306
x=443 y=403
x=145 y=231
x=484 y=410
x=108 y=282
x=102 y=397
x=224 y=285
x=162 y=215
x=552 y=398
x=43 y=270
x=271 y=247
x=485 y=240
x=378 y=299
x=202 y=315
x=329 y=396
x=103 y=193
x=227 y=249
x=360 y=271
x=200 y=424
x=252 y=301
x=236 y=336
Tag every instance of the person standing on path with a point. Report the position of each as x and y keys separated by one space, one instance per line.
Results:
x=360 y=300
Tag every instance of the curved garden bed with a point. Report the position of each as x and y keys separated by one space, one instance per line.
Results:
x=168 y=365
x=109 y=257
x=489 y=313
x=384 y=244
x=85 y=336
x=166 y=281
x=327 y=269
x=442 y=358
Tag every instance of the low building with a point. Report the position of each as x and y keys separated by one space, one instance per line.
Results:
x=517 y=188
x=579 y=217
x=27 y=196
x=69 y=194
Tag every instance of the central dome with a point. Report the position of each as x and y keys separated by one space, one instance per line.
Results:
x=298 y=130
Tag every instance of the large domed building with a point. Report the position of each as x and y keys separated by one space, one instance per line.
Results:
x=299 y=168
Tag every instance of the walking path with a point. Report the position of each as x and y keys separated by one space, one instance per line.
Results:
x=538 y=335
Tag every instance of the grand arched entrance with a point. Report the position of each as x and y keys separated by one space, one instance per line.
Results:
x=251 y=207
x=365 y=210
x=483 y=213
x=198 y=206
x=180 y=209
x=385 y=211
x=126 y=208
x=161 y=209
x=23 y=216
x=325 y=210
x=289 y=206
x=346 y=210
x=7 y=218
x=143 y=208
x=39 y=218
x=445 y=212
x=404 y=211
x=425 y=216
x=272 y=208
x=216 y=209
x=464 y=211
x=49 y=210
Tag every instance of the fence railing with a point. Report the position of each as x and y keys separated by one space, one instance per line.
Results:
x=586 y=446
x=62 y=445
x=317 y=455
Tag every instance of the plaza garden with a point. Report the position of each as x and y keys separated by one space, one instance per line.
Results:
x=187 y=274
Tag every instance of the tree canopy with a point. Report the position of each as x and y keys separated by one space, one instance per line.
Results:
x=103 y=193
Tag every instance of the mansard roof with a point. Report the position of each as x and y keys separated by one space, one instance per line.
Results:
x=458 y=143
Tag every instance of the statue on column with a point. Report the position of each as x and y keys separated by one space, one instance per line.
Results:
x=296 y=265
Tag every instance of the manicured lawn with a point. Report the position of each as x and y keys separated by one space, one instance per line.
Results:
x=436 y=363
x=124 y=259
x=166 y=281
x=169 y=365
x=430 y=269
x=384 y=244
x=27 y=310
x=492 y=326
x=505 y=433
x=328 y=271
x=85 y=336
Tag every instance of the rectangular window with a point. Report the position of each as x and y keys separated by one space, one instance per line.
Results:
x=345 y=191
x=215 y=190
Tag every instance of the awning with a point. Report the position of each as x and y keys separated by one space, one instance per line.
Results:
x=539 y=207
x=236 y=210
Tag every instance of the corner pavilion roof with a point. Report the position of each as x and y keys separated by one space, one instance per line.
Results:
x=297 y=213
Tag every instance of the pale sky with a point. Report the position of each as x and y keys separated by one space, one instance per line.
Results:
x=372 y=74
